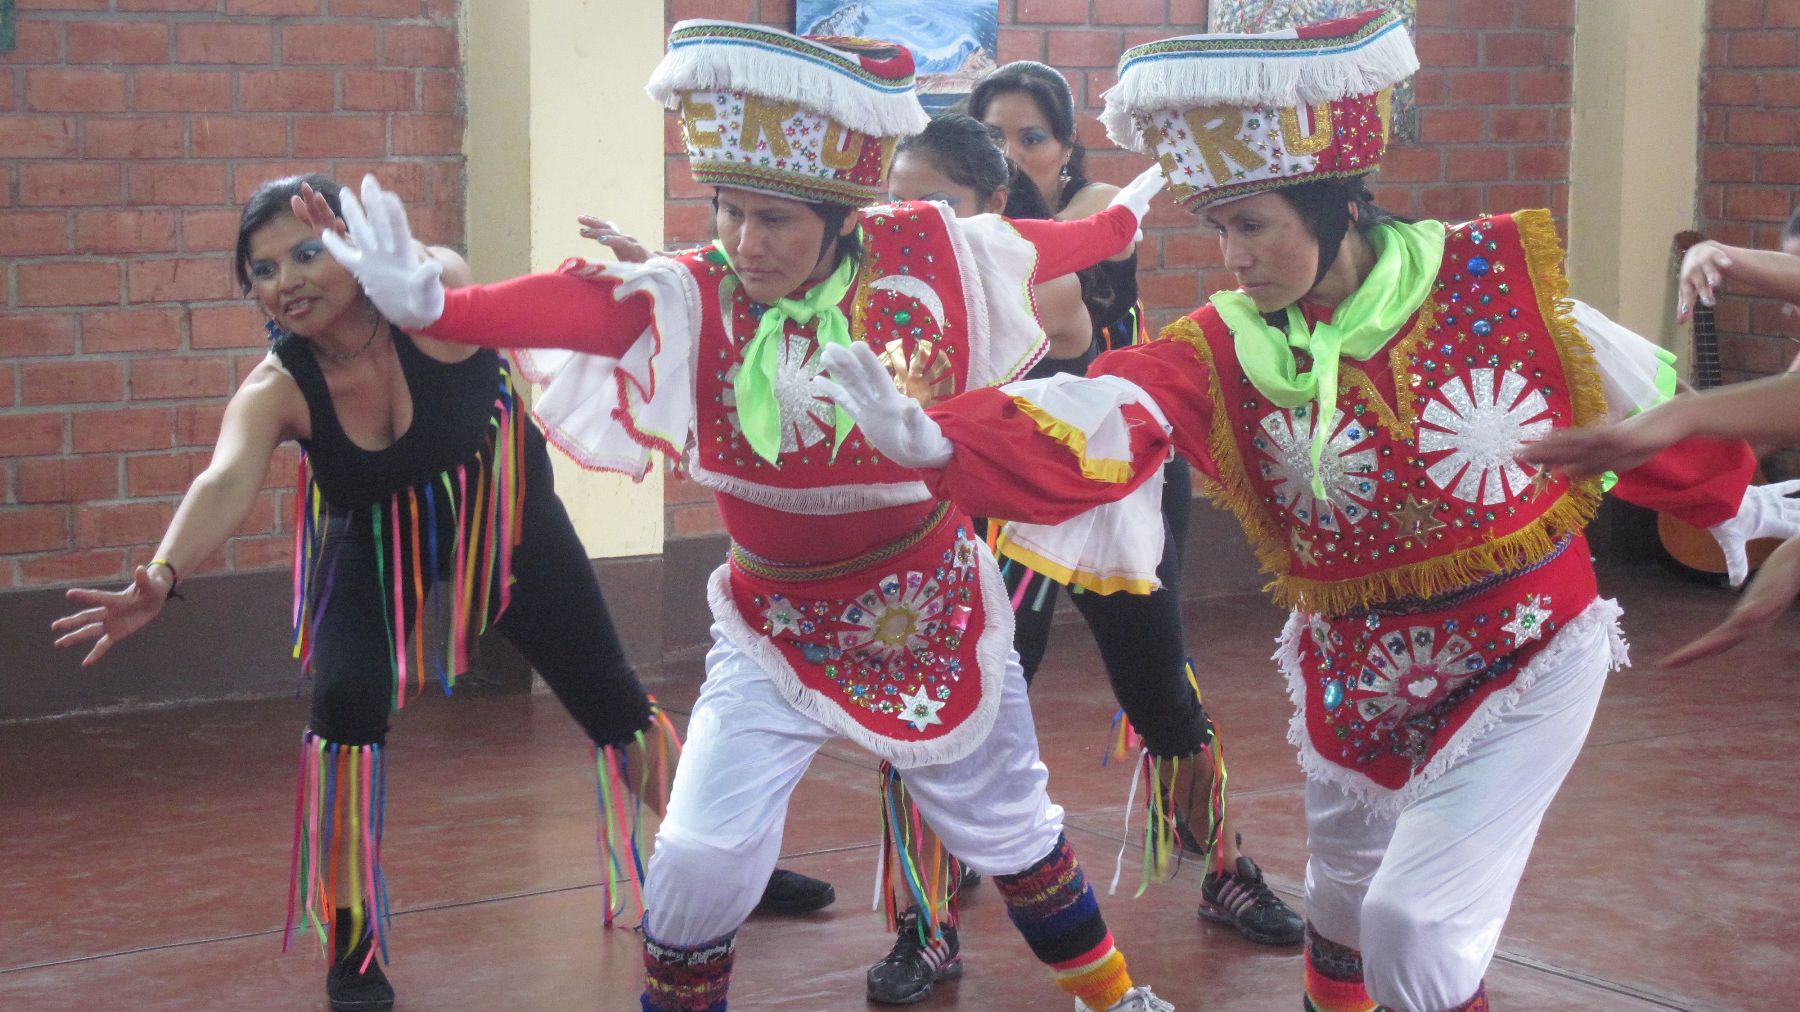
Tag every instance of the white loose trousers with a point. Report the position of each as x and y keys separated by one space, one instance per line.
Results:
x=746 y=751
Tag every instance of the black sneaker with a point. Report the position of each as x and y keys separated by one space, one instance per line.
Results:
x=1243 y=900
x=790 y=894
x=913 y=967
x=351 y=991
x=349 y=988
x=969 y=880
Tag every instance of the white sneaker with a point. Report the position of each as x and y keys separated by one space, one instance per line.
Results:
x=1138 y=999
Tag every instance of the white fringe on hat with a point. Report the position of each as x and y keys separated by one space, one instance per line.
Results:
x=1244 y=72
x=739 y=62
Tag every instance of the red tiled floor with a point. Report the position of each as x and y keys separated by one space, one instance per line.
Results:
x=148 y=852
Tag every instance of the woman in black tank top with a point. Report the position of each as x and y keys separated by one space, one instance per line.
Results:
x=425 y=515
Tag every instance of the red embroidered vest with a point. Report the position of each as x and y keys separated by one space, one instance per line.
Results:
x=907 y=301
x=900 y=649
x=1436 y=565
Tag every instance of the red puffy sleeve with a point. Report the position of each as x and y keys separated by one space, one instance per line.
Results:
x=559 y=310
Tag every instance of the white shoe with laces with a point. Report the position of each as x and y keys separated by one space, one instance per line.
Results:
x=1138 y=999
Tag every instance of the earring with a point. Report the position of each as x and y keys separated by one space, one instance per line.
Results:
x=1063 y=173
x=274 y=331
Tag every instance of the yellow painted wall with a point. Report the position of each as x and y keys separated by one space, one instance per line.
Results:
x=1634 y=168
x=558 y=124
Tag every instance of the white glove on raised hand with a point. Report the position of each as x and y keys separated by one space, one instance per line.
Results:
x=1768 y=511
x=1135 y=195
x=892 y=422
x=404 y=284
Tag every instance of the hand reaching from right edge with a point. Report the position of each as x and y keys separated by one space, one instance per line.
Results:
x=1767 y=597
x=405 y=285
x=110 y=615
x=892 y=422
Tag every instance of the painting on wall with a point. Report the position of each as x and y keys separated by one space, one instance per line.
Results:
x=1252 y=16
x=954 y=42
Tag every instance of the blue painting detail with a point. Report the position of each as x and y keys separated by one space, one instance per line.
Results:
x=954 y=42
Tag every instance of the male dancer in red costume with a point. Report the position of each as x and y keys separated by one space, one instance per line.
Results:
x=854 y=602
x=1358 y=404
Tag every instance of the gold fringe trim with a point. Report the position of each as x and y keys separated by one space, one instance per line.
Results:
x=1543 y=258
x=1434 y=577
x=1232 y=490
x=1070 y=576
x=1116 y=472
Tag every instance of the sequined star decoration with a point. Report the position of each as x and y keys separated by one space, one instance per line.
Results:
x=920 y=710
x=1415 y=518
x=1303 y=549
x=781 y=616
x=1528 y=619
x=1540 y=482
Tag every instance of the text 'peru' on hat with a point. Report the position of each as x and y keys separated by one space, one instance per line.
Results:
x=809 y=118
x=1228 y=115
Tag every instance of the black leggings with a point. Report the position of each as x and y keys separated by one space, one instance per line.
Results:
x=1139 y=635
x=556 y=618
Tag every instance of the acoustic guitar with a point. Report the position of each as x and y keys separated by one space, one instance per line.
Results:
x=1690 y=547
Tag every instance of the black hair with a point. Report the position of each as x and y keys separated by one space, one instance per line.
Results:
x=961 y=148
x=271 y=200
x=831 y=214
x=1324 y=206
x=1050 y=90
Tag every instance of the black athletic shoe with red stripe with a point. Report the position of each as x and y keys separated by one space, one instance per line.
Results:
x=1243 y=900
x=914 y=967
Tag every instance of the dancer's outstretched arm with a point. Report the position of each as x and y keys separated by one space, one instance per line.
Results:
x=266 y=410
x=536 y=311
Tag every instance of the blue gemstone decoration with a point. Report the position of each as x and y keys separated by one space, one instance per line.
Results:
x=1334 y=695
x=1482 y=328
x=1478 y=266
x=1475 y=237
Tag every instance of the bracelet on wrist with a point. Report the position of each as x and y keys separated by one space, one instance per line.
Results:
x=174 y=579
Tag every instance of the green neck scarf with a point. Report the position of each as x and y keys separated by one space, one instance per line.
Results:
x=759 y=410
x=1407 y=257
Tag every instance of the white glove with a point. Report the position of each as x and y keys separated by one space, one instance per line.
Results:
x=402 y=283
x=892 y=422
x=1135 y=195
x=1768 y=511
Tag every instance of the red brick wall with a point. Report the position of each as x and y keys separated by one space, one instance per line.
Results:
x=1494 y=102
x=1750 y=163
x=130 y=132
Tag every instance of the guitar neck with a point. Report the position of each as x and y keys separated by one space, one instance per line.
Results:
x=1706 y=348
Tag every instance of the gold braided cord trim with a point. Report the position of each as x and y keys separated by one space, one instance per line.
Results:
x=1232 y=490
x=786 y=572
x=1074 y=577
x=1117 y=472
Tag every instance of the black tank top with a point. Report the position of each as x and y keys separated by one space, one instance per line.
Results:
x=453 y=408
x=443 y=504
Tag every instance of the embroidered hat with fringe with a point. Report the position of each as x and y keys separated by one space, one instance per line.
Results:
x=1229 y=115
x=810 y=118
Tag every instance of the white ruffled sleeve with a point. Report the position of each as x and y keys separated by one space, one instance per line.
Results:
x=611 y=413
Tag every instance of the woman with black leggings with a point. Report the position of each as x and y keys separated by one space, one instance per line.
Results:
x=426 y=514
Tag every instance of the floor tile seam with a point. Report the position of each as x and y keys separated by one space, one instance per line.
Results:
x=1657 y=998
x=301 y=938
